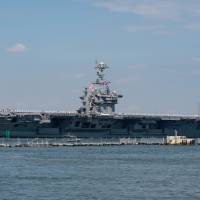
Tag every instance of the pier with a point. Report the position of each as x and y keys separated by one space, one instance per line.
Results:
x=48 y=143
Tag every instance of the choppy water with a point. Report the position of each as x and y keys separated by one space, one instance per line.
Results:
x=123 y=172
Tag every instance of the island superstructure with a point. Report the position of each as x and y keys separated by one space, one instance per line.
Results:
x=96 y=118
x=98 y=98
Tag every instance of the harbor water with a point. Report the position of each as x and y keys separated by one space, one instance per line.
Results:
x=102 y=172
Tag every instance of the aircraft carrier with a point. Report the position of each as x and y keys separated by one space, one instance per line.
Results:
x=96 y=118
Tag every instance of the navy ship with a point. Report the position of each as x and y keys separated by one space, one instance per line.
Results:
x=96 y=118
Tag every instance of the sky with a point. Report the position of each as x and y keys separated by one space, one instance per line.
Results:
x=48 y=51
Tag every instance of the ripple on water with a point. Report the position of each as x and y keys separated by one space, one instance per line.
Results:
x=128 y=172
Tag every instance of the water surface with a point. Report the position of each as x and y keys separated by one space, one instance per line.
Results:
x=121 y=172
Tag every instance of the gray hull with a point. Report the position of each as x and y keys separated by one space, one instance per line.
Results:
x=45 y=125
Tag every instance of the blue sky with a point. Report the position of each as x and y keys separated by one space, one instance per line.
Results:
x=48 y=50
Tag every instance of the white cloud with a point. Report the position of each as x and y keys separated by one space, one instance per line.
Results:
x=160 y=17
x=159 y=9
x=17 y=48
x=146 y=8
